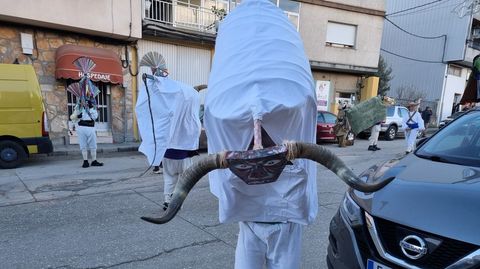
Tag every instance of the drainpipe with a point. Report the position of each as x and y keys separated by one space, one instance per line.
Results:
x=134 y=92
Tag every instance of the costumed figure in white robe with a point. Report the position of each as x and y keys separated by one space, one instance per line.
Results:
x=260 y=122
x=168 y=119
x=85 y=112
x=412 y=123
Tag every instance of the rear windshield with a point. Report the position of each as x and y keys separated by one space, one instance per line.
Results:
x=458 y=142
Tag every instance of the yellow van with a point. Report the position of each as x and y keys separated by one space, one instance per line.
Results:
x=23 y=122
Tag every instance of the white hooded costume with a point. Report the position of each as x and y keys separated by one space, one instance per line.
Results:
x=175 y=110
x=411 y=134
x=260 y=72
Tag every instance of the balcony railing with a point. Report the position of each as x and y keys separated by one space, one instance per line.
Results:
x=181 y=14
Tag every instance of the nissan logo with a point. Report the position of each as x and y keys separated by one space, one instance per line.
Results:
x=413 y=247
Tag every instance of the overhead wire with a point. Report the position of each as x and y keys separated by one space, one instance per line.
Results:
x=415 y=7
x=409 y=58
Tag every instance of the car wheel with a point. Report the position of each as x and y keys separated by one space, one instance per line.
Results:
x=391 y=133
x=12 y=154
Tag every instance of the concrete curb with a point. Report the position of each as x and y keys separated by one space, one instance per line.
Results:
x=73 y=151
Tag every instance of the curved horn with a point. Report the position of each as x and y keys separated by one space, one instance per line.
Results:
x=326 y=158
x=185 y=183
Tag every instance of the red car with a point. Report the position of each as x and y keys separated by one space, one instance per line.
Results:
x=325 y=123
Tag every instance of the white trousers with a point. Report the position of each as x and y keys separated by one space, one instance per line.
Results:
x=411 y=138
x=87 y=138
x=172 y=169
x=373 y=139
x=276 y=246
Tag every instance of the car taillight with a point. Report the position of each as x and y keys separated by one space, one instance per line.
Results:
x=44 y=124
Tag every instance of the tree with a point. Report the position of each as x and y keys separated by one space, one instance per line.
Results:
x=385 y=74
x=405 y=94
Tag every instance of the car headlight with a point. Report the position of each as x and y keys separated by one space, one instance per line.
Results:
x=351 y=211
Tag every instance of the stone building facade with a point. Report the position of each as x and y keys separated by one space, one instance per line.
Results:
x=118 y=125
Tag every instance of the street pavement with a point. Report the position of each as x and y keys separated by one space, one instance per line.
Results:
x=55 y=214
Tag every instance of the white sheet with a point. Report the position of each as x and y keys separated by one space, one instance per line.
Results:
x=260 y=71
x=175 y=108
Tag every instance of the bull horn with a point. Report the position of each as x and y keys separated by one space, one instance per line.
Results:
x=326 y=158
x=185 y=183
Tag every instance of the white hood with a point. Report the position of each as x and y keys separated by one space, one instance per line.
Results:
x=175 y=108
x=260 y=71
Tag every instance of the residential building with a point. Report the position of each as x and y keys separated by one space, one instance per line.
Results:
x=51 y=34
x=430 y=47
x=342 y=41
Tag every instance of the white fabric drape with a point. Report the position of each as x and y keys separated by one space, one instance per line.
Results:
x=260 y=71
x=175 y=107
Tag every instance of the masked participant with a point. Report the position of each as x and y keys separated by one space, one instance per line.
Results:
x=85 y=112
x=260 y=94
x=168 y=120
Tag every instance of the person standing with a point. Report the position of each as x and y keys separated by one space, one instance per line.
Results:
x=426 y=116
x=84 y=116
x=412 y=124
x=373 y=139
x=175 y=162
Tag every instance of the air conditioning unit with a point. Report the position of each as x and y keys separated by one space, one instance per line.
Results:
x=476 y=33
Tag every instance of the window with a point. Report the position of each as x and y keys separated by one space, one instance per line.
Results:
x=291 y=9
x=454 y=71
x=341 y=35
x=330 y=118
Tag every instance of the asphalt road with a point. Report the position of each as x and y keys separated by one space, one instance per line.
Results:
x=55 y=214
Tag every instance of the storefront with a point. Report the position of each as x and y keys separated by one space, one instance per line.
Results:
x=106 y=74
x=52 y=56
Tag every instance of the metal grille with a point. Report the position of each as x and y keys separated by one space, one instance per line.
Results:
x=447 y=252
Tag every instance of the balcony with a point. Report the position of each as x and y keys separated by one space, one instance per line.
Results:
x=183 y=14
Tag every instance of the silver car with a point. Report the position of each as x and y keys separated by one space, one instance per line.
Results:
x=392 y=126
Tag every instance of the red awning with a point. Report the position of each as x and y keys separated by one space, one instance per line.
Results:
x=108 y=66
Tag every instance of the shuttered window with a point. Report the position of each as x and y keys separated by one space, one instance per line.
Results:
x=341 y=35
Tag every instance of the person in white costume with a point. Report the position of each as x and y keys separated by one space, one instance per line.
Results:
x=173 y=109
x=260 y=73
x=260 y=122
x=412 y=124
x=83 y=117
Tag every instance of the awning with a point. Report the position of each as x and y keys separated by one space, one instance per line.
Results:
x=108 y=66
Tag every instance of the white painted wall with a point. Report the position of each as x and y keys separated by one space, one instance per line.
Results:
x=453 y=85
x=186 y=64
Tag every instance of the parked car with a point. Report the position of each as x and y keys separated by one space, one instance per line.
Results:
x=427 y=217
x=450 y=118
x=325 y=123
x=391 y=127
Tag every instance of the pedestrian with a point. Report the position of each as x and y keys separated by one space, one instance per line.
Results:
x=171 y=131
x=412 y=124
x=342 y=126
x=426 y=116
x=373 y=139
x=84 y=116
x=175 y=162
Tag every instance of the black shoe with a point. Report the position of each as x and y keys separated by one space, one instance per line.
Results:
x=165 y=206
x=376 y=148
x=406 y=152
x=95 y=163
x=85 y=164
x=371 y=148
x=156 y=170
